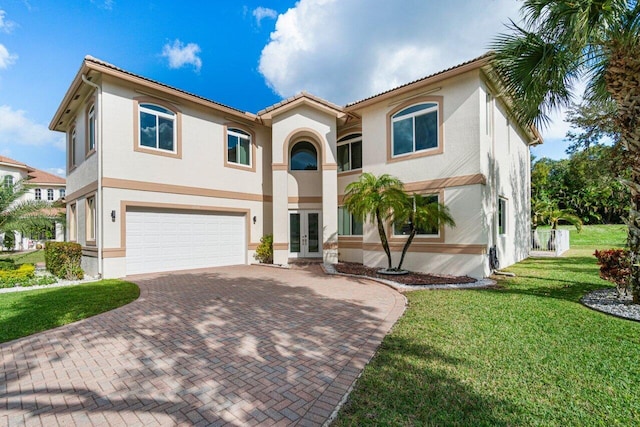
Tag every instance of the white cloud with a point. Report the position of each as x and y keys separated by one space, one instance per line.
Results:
x=6 y=26
x=180 y=55
x=57 y=171
x=17 y=128
x=6 y=58
x=261 y=13
x=104 y=4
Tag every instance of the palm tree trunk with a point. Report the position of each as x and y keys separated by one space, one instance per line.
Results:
x=383 y=239
x=406 y=246
x=623 y=83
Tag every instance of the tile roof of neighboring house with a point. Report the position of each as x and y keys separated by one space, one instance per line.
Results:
x=12 y=162
x=41 y=177
x=480 y=59
x=90 y=58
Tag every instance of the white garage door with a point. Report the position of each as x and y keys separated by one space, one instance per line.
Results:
x=166 y=241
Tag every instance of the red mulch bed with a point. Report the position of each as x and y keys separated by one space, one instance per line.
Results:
x=406 y=279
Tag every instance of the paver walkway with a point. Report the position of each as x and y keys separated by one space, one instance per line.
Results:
x=233 y=346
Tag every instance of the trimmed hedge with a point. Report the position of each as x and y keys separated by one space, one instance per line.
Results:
x=63 y=259
x=24 y=273
x=7 y=264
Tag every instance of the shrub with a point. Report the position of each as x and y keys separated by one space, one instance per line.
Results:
x=9 y=240
x=24 y=273
x=8 y=264
x=615 y=267
x=63 y=259
x=264 y=251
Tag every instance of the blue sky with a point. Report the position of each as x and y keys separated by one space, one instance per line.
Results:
x=247 y=54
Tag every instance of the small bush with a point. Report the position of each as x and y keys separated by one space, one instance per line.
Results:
x=615 y=267
x=9 y=240
x=264 y=251
x=21 y=275
x=63 y=259
x=8 y=264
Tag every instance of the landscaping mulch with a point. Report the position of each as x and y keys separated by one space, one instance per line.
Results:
x=406 y=279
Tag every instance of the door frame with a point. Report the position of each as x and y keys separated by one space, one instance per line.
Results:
x=304 y=233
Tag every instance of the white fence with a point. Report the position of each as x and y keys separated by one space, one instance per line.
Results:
x=552 y=242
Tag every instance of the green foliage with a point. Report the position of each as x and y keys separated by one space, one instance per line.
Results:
x=548 y=213
x=7 y=264
x=374 y=199
x=9 y=241
x=24 y=273
x=28 y=312
x=63 y=259
x=264 y=251
x=587 y=184
x=615 y=266
x=32 y=257
x=16 y=215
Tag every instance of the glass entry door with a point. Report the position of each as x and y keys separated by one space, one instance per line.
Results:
x=305 y=234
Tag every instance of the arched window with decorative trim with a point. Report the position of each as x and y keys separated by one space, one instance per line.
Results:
x=304 y=157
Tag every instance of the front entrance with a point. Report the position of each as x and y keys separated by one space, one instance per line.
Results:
x=305 y=238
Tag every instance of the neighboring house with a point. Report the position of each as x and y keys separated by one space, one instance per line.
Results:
x=160 y=179
x=44 y=186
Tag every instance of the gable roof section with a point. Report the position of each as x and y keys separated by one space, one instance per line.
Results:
x=90 y=64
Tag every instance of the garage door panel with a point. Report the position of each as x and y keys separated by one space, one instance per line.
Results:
x=165 y=241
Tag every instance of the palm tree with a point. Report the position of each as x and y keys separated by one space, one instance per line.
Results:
x=374 y=199
x=17 y=215
x=561 y=41
x=421 y=213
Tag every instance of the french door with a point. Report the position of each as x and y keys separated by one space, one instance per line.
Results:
x=305 y=234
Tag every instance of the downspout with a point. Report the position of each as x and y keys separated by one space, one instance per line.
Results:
x=99 y=209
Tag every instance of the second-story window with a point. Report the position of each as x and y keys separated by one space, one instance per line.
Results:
x=157 y=128
x=38 y=194
x=50 y=194
x=91 y=129
x=415 y=128
x=238 y=147
x=62 y=192
x=350 y=152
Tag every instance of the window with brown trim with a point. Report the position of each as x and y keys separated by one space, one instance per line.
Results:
x=238 y=147
x=415 y=128
x=405 y=229
x=72 y=149
x=91 y=130
x=91 y=219
x=157 y=128
x=349 y=151
x=73 y=222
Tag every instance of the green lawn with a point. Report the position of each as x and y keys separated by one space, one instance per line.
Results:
x=25 y=257
x=524 y=354
x=28 y=312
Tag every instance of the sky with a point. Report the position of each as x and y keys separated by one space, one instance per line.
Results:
x=245 y=54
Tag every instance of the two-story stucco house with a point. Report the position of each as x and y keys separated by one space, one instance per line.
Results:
x=43 y=186
x=160 y=179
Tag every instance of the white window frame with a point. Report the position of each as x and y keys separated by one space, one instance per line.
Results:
x=503 y=209
x=90 y=215
x=351 y=221
x=63 y=192
x=8 y=181
x=37 y=194
x=350 y=140
x=240 y=134
x=91 y=133
x=157 y=114
x=434 y=109
x=50 y=195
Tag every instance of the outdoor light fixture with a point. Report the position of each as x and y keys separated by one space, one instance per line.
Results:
x=255 y=219
x=113 y=216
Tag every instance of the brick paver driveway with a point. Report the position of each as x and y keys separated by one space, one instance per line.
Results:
x=227 y=346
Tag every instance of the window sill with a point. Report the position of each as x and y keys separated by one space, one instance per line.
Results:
x=90 y=153
x=158 y=152
x=350 y=172
x=240 y=166
x=416 y=155
x=90 y=242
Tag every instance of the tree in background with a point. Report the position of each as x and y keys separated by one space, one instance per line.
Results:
x=22 y=216
x=563 y=40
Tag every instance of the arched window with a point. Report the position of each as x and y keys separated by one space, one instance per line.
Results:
x=304 y=157
x=415 y=128
x=157 y=127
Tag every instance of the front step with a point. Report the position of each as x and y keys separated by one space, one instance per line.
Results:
x=301 y=263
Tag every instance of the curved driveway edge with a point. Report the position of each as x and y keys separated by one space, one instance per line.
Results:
x=233 y=346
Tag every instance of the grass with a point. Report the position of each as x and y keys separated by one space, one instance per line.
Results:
x=526 y=353
x=32 y=257
x=28 y=312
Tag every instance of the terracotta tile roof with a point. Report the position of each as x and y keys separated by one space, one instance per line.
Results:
x=90 y=58
x=422 y=79
x=302 y=94
x=10 y=161
x=36 y=176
